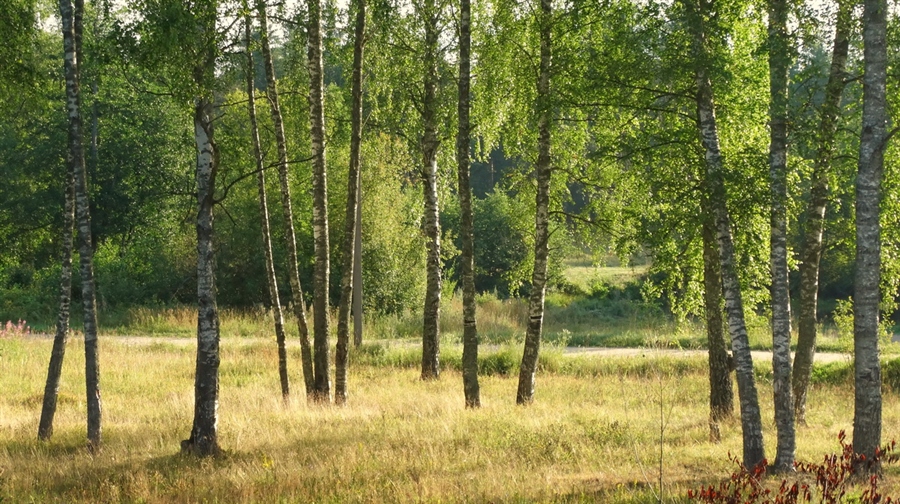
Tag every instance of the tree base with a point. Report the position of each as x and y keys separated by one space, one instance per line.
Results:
x=207 y=448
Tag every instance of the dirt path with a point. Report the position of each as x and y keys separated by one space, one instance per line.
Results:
x=759 y=355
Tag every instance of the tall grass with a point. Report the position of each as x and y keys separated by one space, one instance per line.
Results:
x=593 y=434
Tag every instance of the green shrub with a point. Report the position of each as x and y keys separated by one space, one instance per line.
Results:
x=890 y=375
x=503 y=362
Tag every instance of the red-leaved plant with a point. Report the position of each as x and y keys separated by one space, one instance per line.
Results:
x=832 y=480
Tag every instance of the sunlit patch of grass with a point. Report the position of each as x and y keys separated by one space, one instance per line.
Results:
x=594 y=433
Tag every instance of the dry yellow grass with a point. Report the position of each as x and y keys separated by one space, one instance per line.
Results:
x=398 y=440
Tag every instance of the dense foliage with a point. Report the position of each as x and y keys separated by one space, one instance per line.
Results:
x=626 y=177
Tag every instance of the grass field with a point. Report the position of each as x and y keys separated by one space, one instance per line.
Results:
x=602 y=429
x=596 y=432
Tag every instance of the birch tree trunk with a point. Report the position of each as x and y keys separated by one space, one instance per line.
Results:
x=350 y=228
x=466 y=227
x=815 y=212
x=71 y=16
x=430 y=142
x=721 y=394
x=289 y=236
x=320 y=206
x=357 y=276
x=204 y=439
x=528 y=368
x=779 y=63
x=271 y=281
x=867 y=295
x=57 y=355
x=751 y=423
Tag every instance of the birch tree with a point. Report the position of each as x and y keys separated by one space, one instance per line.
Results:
x=71 y=15
x=299 y=305
x=429 y=12
x=721 y=394
x=204 y=437
x=271 y=281
x=811 y=251
x=698 y=13
x=867 y=294
x=351 y=246
x=779 y=63
x=528 y=368
x=60 y=338
x=322 y=357
x=466 y=231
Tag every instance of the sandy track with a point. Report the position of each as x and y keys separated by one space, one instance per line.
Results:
x=759 y=356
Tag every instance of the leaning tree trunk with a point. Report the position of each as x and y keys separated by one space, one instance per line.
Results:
x=274 y=299
x=320 y=205
x=204 y=439
x=815 y=212
x=721 y=394
x=350 y=226
x=779 y=63
x=466 y=228
x=528 y=368
x=430 y=142
x=866 y=295
x=71 y=25
x=751 y=423
x=288 y=213
x=54 y=371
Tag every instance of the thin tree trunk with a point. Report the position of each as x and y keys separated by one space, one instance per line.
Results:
x=54 y=371
x=779 y=63
x=867 y=295
x=466 y=228
x=353 y=184
x=274 y=299
x=204 y=433
x=71 y=22
x=357 y=276
x=288 y=213
x=322 y=359
x=432 y=312
x=528 y=368
x=815 y=212
x=721 y=394
x=751 y=423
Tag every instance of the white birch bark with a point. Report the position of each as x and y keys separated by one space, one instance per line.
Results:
x=751 y=423
x=299 y=305
x=430 y=143
x=204 y=439
x=779 y=63
x=71 y=16
x=321 y=355
x=58 y=353
x=528 y=368
x=271 y=281
x=466 y=228
x=350 y=249
x=867 y=294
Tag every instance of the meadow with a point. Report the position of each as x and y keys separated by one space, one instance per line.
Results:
x=602 y=428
